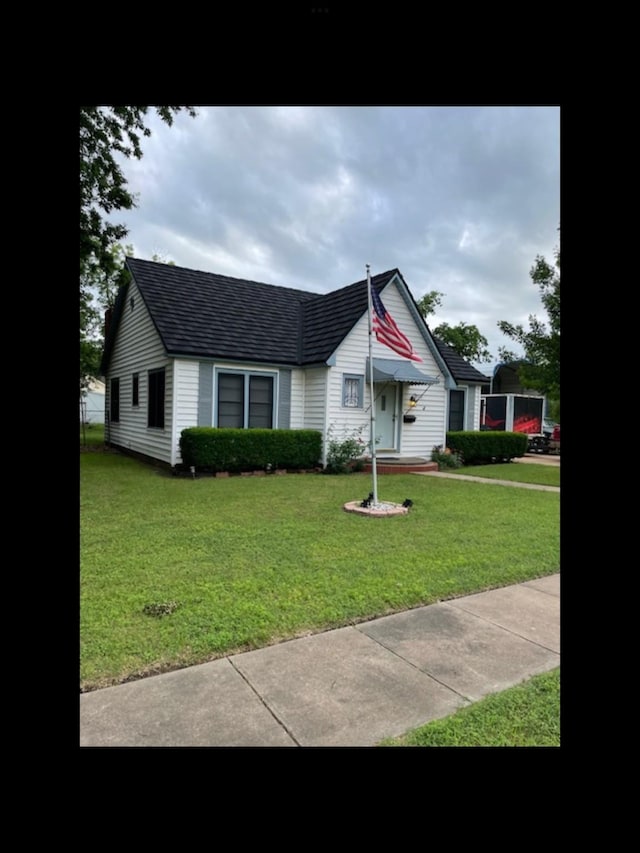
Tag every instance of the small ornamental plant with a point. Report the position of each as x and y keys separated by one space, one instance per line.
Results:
x=446 y=458
x=345 y=455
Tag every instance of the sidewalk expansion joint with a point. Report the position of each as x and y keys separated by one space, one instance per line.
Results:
x=504 y=628
x=417 y=668
x=265 y=705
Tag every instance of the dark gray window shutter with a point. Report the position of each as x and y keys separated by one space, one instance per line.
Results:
x=456 y=411
x=205 y=394
x=284 y=403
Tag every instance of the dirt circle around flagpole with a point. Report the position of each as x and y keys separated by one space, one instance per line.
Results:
x=382 y=509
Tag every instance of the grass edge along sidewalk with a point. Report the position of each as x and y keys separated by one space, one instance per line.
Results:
x=527 y=714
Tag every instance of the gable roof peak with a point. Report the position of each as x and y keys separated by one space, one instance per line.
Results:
x=209 y=315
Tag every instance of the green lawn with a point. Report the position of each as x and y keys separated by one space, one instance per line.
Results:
x=525 y=715
x=243 y=562
x=542 y=473
x=91 y=435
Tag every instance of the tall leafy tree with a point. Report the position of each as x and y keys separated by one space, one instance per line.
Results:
x=464 y=338
x=98 y=291
x=428 y=303
x=540 y=368
x=105 y=132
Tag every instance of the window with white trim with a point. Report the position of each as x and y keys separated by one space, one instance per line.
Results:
x=352 y=391
x=245 y=400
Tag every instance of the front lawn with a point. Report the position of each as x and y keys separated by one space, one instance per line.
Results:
x=525 y=715
x=542 y=474
x=91 y=435
x=176 y=571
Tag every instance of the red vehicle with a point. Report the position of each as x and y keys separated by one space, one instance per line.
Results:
x=512 y=412
x=521 y=413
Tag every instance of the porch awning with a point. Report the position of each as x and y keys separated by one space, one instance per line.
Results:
x=393 y=370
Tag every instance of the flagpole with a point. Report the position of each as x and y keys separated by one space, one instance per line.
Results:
x=374 y=472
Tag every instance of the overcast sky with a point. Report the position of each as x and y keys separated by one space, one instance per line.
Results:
x=459 y=199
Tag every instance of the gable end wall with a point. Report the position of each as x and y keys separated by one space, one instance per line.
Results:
x=417 y=439
x=138 y=349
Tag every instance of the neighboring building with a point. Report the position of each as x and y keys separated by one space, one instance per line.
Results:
x=187 y=348
x=506 y=380
x=92 y=403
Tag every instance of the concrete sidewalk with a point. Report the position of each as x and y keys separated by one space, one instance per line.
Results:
x=490 y=480
x=530 y=458
x=348 y=687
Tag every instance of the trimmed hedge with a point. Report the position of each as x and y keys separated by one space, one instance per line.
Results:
x=236 y=450
x=487 y=445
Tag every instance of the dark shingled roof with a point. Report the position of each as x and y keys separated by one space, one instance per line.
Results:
x=460 y=369
x=329 y=318
x=207 y=315
x=215 y=316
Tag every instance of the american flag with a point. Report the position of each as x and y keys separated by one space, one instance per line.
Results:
x=387 y=332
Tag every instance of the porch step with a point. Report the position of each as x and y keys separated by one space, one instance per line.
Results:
x=403 y=465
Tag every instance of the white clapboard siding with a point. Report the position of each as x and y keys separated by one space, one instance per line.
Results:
x=315 y=392
x=419 y=438
x=298 y=383
x=185 y=401
x=138 y=349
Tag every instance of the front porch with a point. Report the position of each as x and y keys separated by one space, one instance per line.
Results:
x=401 y=465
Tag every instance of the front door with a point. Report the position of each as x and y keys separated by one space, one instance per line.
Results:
x=386 y=416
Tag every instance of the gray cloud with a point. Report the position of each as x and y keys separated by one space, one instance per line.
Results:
x=460 y=199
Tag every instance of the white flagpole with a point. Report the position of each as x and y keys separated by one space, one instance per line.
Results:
x=374 y=472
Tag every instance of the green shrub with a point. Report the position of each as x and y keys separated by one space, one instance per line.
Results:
x=236 y=450
x=487 y=445
x=445 y=458
x=344 y=455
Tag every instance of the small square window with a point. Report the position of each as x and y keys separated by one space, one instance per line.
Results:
x=352 y=391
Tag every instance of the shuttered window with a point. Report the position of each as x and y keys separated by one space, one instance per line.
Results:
x=456 y=411
x=114 y=400
x=156 y=399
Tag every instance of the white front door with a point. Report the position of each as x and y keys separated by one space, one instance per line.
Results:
x=386 y=418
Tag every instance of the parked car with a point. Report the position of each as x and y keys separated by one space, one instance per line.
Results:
x=548 y=425
x=538 y=443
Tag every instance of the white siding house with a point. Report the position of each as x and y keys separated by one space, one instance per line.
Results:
x=186 y=348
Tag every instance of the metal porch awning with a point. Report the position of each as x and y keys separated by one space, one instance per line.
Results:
x=393 y=370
